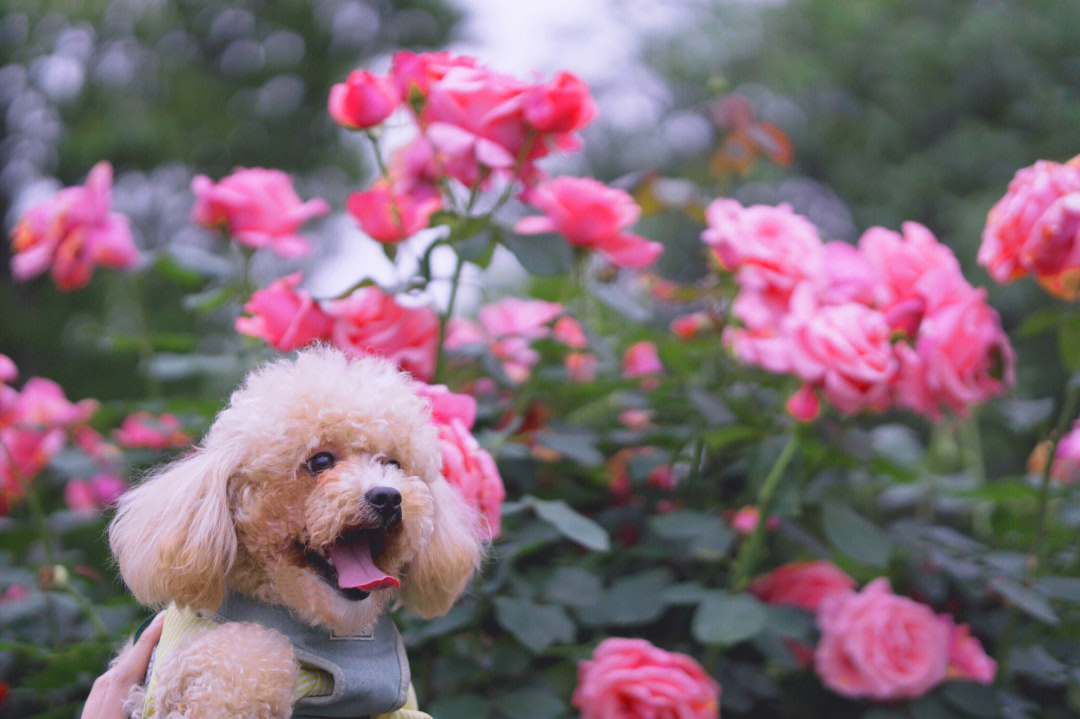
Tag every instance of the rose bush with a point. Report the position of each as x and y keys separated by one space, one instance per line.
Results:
x=685 y=474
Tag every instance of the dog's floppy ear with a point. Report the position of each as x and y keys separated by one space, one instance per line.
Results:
x=173 y=535
x=438 y=574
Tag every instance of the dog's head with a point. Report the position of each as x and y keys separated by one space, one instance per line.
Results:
x=318 y=488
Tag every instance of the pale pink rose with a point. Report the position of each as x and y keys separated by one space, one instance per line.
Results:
x=879 y=645
x=390 y=216
x=363 y=100
x=802 y=584
x=766 y=348
x=143 y=429
x=844 y=352
x=804 y=405
x=415 y=73
x=8 y=371
x=562 y=105
x=846 y=275
x=517 y=356
x=372 y=322
x=641 y=360
x=522 y=318
x=581 y=366
x=466 y=466
x=285 y=317
x=463 y=333
x=72 y=232
x=772 y=249
x=256 y=207
x=569 y=331
x=633 y=679
x=592 y=215
x=1033 y=228
x=961 y=357
x=967 y=658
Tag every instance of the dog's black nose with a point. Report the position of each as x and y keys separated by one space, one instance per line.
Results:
x=386 y=501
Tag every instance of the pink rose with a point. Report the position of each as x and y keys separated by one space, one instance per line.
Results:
x=632 y=679
x=284 y=316
x=518 y=317
x=72 y=232
x=363 y=100
x=508 y=327
x=27 y=452
x=745 y=520
x=689 y=326
x=591 y=215
x=581 y=366
x=41 y=404
x=372 y=322
x=961 y=357
x=967 y=658
x=844 y=351
x=466 y=465
x=142 y=429
x=641 y=360
x=415 y=73
x=914 y=271
x=569 y=331
x=804 y=405
x=802 y=584
x=876 y=644
x=90 y=496
x=562 y=105
x=1033 y=228
x=258 y=208
x=8 y=371
x=390 y=216
x=1066 y=467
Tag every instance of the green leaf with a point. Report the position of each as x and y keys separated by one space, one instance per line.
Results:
x=534 y=625
x=1025 y=599
x=638 y=599
x=855 y=536
x=572 y=525
x=686 y=593
x=547 y=254
x=576 y=447
x=973 y=699
x=531 y=704
x=1068 y=340
x=708 y=536
x=465 y=706
x=725 y=620
x=573 y=587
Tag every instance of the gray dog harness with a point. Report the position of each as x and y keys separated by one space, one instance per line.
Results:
x=370 y=671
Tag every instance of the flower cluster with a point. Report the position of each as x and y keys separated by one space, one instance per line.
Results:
x=465 y=464
x=143 y=429
x=874 y=643
x=367 y=322
x=633 y=679
x=1035 y=228
x=891 y=322
x=72 y=232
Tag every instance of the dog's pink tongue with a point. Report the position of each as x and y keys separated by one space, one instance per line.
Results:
x=356 y=569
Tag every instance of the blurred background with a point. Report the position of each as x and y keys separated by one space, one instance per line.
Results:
x=879 y=111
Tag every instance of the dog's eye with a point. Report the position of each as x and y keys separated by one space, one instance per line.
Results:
x=320 y=462
x=390 y=462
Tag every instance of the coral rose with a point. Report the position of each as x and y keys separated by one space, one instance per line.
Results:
x=284 y=316
x=879 y=645
x=632 y=679
x=592 y=215
x=257 y=207
x=372 y=322
x=802 y=584
x=363 y=100
x=72 y=232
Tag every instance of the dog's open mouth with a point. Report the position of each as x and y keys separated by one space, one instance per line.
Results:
x=348 y=563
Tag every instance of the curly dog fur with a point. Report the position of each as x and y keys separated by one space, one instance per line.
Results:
x=239 y=513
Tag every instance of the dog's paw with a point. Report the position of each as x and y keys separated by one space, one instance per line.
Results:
x=234 y=670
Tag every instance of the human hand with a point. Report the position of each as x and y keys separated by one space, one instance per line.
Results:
x=106 y=700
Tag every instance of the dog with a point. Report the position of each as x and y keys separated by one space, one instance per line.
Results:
x=314 y=504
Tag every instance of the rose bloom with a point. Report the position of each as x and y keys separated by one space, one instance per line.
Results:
x=592 y=215
x=518 y=317
x=689 y=326
x=967 y=658
x=372 y=322
x=569 y=331
x=388 y=215
x=72 y=232
x=802 y=584
x=1066 y=468
x=41 y=404
x=96 y=493
x=879 y=645
x=961 y=357
x=142 y=429
x=640 y=360
x=363 y=100
x=581 y=366
x=845 y=352
x=1033 y=229
x=562 y=105
x=415 y=73
x=285 y=317
x=258 y=208
x=632 y=679
x=466 y=465
x=913 y=270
